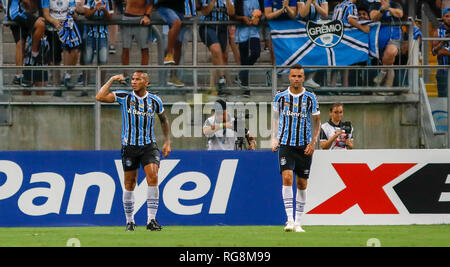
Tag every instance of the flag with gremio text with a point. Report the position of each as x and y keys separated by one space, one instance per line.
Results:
x=325 y=43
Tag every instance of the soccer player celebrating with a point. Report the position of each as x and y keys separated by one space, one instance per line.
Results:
x=138 y=141
x=291 y=137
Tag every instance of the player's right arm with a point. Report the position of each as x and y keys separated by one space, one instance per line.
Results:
x=105 y=95
x=275 y=125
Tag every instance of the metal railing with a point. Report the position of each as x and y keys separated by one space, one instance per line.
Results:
x=194 y=23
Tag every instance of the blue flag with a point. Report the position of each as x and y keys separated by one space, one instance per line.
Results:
x=330 y=43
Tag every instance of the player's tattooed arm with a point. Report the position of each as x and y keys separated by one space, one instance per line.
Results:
x=104 y=95
x=165 y=125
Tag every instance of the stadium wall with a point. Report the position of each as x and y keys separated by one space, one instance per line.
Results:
x=361 y=187
x=71 y=127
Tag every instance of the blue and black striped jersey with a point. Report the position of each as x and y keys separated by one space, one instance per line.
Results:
x=219 y=11
x=295 y=111
x=442 y=33
x=313 y=14
x=345 y=10
x=138 y=117
x=14 y=8
x=98 y=31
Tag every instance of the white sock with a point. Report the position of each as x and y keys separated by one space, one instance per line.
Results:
x=300 y=202
x=128 y=205
x=34 y=54
x=152 y=202
x=288 y=200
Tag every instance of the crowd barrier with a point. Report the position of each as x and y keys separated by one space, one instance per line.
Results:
x=84 y=188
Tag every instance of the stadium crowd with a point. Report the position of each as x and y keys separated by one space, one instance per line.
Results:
x=52 y=32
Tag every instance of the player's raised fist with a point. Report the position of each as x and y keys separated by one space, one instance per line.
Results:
x=119 y=78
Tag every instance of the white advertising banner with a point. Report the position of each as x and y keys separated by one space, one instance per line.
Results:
x=379 y=187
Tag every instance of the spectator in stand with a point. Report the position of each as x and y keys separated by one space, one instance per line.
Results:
x=232 y=45
x=79 y=9
x=136 y=10
x=388 y=12
x=363 y=14
x=172 y=13
x=117 y=6
x=215 y=37
x=277 y=10
x=21 y=12
x=61 y=14
x=280 y=9
x=97 y=35
x=443 y=4
x=347 y=12
x=247 y=36
x=312 y=10
x=442 y=50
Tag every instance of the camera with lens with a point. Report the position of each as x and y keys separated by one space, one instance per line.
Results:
x=347 y=127
x=242 y=132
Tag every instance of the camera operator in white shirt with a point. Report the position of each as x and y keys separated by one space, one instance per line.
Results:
x=221 y=130
x=336 y=134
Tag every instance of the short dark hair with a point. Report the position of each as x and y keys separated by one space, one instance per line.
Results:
x=335 y=105
x=296 y=67
x=220 y=104
x=143 y=73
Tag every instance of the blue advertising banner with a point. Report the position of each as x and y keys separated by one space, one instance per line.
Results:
x=84 y=188
x=328 y=43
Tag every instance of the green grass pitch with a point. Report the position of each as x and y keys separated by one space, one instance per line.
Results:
x=230 y=236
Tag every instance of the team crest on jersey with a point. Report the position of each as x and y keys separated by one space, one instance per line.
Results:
x=326 y=34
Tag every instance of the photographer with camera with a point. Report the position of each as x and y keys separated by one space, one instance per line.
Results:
x=222 y=130
x=336 y=134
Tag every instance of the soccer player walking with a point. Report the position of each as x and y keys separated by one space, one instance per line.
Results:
x=291 y=137
x=138 y=141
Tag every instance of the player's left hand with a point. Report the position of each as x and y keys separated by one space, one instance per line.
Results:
x=309 y=150
x=166 y=149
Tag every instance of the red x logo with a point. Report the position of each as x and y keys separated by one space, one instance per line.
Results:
x=363 y=187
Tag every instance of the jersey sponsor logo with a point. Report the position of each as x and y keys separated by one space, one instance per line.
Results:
x=295 y=114
x=325 y=34
x=140 y=113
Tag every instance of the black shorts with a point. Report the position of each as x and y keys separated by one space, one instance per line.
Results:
x=19 y=33
x=24 y=26
x=133 y=156
x=294 y=158
x=211 y=34
x=55 y=54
